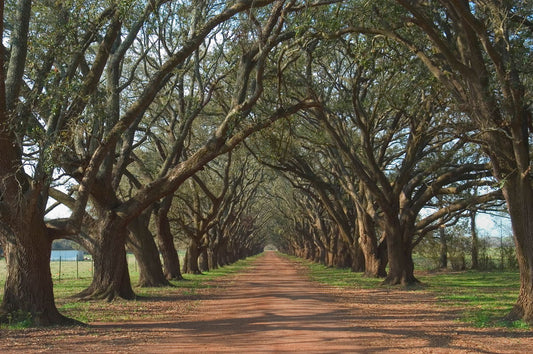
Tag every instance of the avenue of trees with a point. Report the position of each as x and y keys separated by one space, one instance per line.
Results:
x=340 y=131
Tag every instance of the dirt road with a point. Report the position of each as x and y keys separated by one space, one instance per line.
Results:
x=273 y=308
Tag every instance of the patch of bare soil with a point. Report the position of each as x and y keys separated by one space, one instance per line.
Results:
x=274 y=308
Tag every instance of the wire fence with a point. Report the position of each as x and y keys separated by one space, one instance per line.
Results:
x=68 y=269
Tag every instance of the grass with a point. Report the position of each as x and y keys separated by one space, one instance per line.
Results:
x=486 y=297
x=340 y=277
x=483 y=298
x=152 y=303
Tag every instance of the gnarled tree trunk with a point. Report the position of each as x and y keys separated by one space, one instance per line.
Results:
x=358 y=257
x=222 y=254
x=212 y=257
x=400 y=256
x=343 y=258
x=203 y=260
x=111 y=278
x=518 y=193
x=171 y=261
x=142 y=244
x=369 y=246
x=190 y=265
x=28 y=291
x=383 y=257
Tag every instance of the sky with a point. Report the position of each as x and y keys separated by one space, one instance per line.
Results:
x=493 y=226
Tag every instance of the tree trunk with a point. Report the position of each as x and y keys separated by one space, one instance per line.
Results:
x=111 y=277
x=222 y=253
x=330 y=259
x=369 y=246
x=143 y=246
x=400 y=256
x=443 y=259
x=171 y=260
x=212 y=257
x=307 y=251
x=343 y=258
x=383 y=257
x=373 y=267
x=358 y=258
x=475 y=240
x=223 y=258
x=320 y=256
x=518 y=193
x=28 y=290
x=203 y=262
x=331 y=249
x=190 y=265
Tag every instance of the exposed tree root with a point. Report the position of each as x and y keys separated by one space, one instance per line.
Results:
x=109 y=294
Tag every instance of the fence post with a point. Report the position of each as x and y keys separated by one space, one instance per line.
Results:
x=77 y=268
x=59 y=268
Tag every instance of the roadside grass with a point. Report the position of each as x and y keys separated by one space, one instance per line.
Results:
x=485 y=298
x=151 y=303
x=482 y=298
x=340 y=277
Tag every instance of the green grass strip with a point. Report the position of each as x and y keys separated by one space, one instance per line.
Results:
x=486 y=297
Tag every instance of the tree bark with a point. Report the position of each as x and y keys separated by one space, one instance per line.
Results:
x=369 y=245
x=383 y=257
x=443 y=259
x=223 y=258
x=203 y=260
x=518 y=193
x=332 y=249
x=212 y=257
x=190 y=265
x=143 y=246
x=19 y=50
x=309 y=250
x=358 y=259
x=343 y=258
x=400 y=256
x=475 y=240
x=111 y=278
x=165 y=240
x=373 y=267
x=320 y=255
x=222 y=254
x=28 y=291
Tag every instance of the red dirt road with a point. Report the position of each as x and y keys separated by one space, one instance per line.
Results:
x=273 y=308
